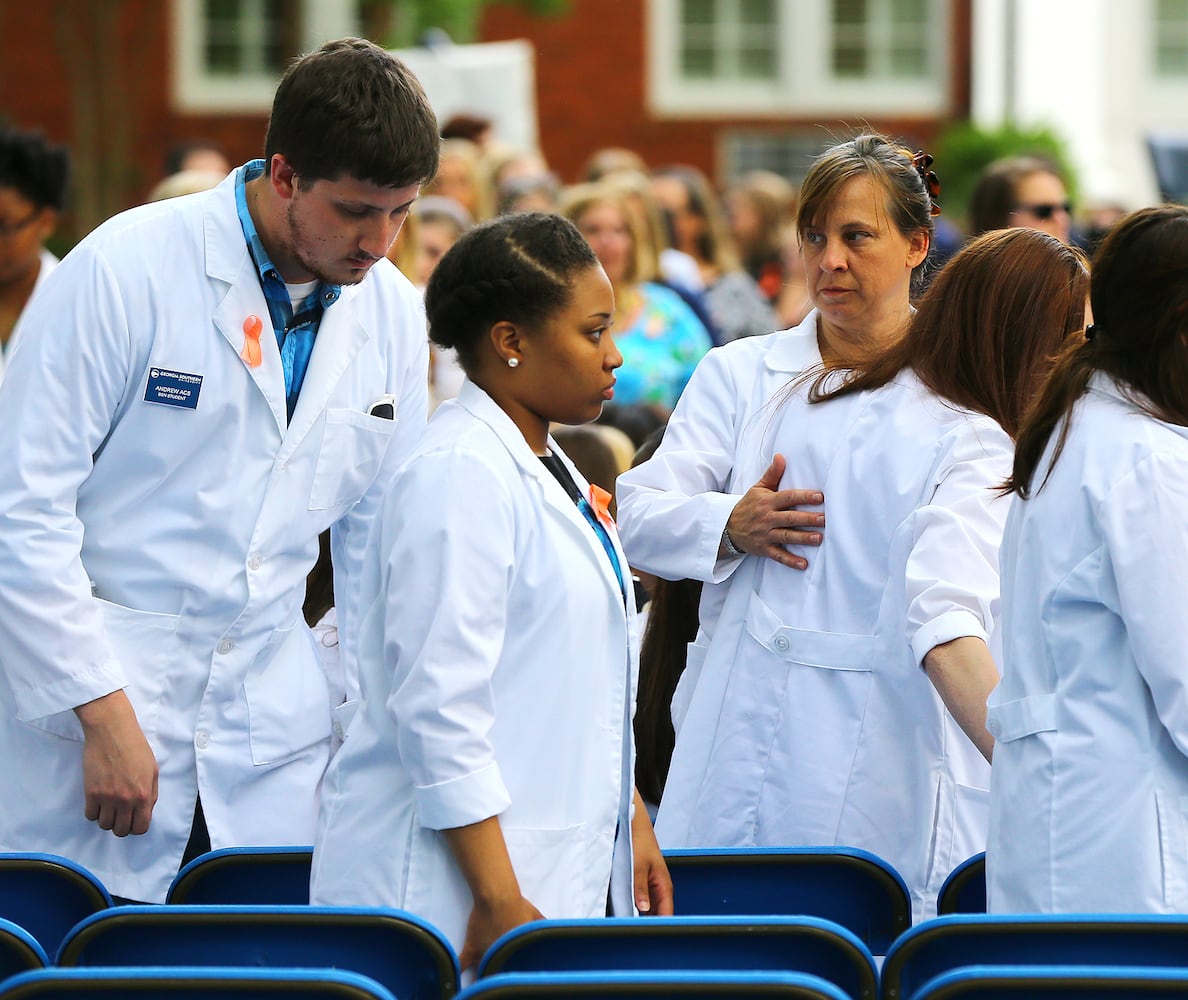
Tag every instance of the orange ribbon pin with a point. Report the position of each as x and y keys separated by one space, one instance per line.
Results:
x=600 y=502
x=252 y=328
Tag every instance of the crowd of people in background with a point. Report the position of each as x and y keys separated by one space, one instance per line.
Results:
x=855 y=498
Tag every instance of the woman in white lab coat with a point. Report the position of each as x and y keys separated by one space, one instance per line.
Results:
x=804 y=717
x=1089 y=800
x=487 y=779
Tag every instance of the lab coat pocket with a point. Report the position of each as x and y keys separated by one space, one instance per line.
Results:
x=145 y=643
x=682 y=695
x=550 y=865
x=790 y=729
x=353 y=446
x=287 y=697
x=962 y=819
x=1173 y=849
x=1014 y=720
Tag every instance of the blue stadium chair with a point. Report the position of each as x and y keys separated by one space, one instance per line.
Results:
x=47 y=895
x=405 y=954
x=851 y=887
x=264 y=876
x=948 y=943
x=192 y=984
x=768 y=944
x=653 y=986
x=964 y=891
x=1055 y=982
x=19 y=950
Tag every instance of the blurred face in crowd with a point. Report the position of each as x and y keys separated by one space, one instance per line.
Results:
x=606 y=230
x=687 y=225
x=434 y=238
x=455 y=179
x=23 y=229
x=1041 y=202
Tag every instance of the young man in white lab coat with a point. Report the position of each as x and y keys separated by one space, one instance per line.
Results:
x=205 y=385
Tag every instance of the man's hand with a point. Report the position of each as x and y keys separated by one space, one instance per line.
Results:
x=765 y=521
x=119 y=769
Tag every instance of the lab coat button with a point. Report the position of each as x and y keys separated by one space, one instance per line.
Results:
x=781 y=643
x=254 y=560
x=202 y=739
x=225 y=647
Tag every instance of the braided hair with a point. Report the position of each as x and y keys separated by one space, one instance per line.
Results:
x=517 y=268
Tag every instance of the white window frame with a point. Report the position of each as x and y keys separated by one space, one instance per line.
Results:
x=1161 y=98
x=804 y=84
x=197 y=91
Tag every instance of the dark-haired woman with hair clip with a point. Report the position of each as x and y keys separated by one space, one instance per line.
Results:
x=1089 y=798
x=487 y=779
x=845 y=703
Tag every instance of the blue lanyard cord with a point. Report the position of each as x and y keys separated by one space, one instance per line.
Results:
x=604 y=537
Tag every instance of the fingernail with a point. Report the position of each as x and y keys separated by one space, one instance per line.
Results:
x=820 y=520
x=818 y=498
x=643 y=905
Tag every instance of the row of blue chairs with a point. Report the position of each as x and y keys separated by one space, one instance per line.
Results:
x=48 y=895
x=410 y=958
x=971 y=955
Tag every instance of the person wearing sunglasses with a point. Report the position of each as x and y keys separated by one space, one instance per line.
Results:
x=1025 y=191
x=33 y=179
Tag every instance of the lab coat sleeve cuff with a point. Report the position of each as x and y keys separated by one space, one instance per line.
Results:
x=68 y=693
x=714 y=523
x=462 y=801
x=949 y=626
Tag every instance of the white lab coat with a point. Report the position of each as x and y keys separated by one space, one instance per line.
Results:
x=163 y=550
x=804 y=716
x=499 y=668
x=47 y=263
x=1089 y=798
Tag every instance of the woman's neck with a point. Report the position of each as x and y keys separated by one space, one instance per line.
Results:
x=842 y=348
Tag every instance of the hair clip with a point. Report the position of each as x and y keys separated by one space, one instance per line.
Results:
x=1090 y=331
x=923 y=163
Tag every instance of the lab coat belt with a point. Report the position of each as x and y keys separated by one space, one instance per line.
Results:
x=1012 y=720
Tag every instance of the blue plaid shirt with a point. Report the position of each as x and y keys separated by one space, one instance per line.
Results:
x=294 y=334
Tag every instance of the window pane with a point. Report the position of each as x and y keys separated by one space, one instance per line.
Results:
x=698 y=12
x=697 y=63
x=909 y=11
x=849 y=61
x=1171 y=33
x=757 y=12
x=757 y=64
x=848 y=12
x=910 y=62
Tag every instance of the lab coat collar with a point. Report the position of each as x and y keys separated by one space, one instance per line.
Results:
x=795 y=350
x=1106 y=385
x=340 y=334
x=228 y=261
x=482 y=406
x=340 y=338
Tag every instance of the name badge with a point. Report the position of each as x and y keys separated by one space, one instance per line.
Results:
x=173 y=388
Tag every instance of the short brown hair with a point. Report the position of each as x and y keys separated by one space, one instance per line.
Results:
x=354 y=109
x=994 y=197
